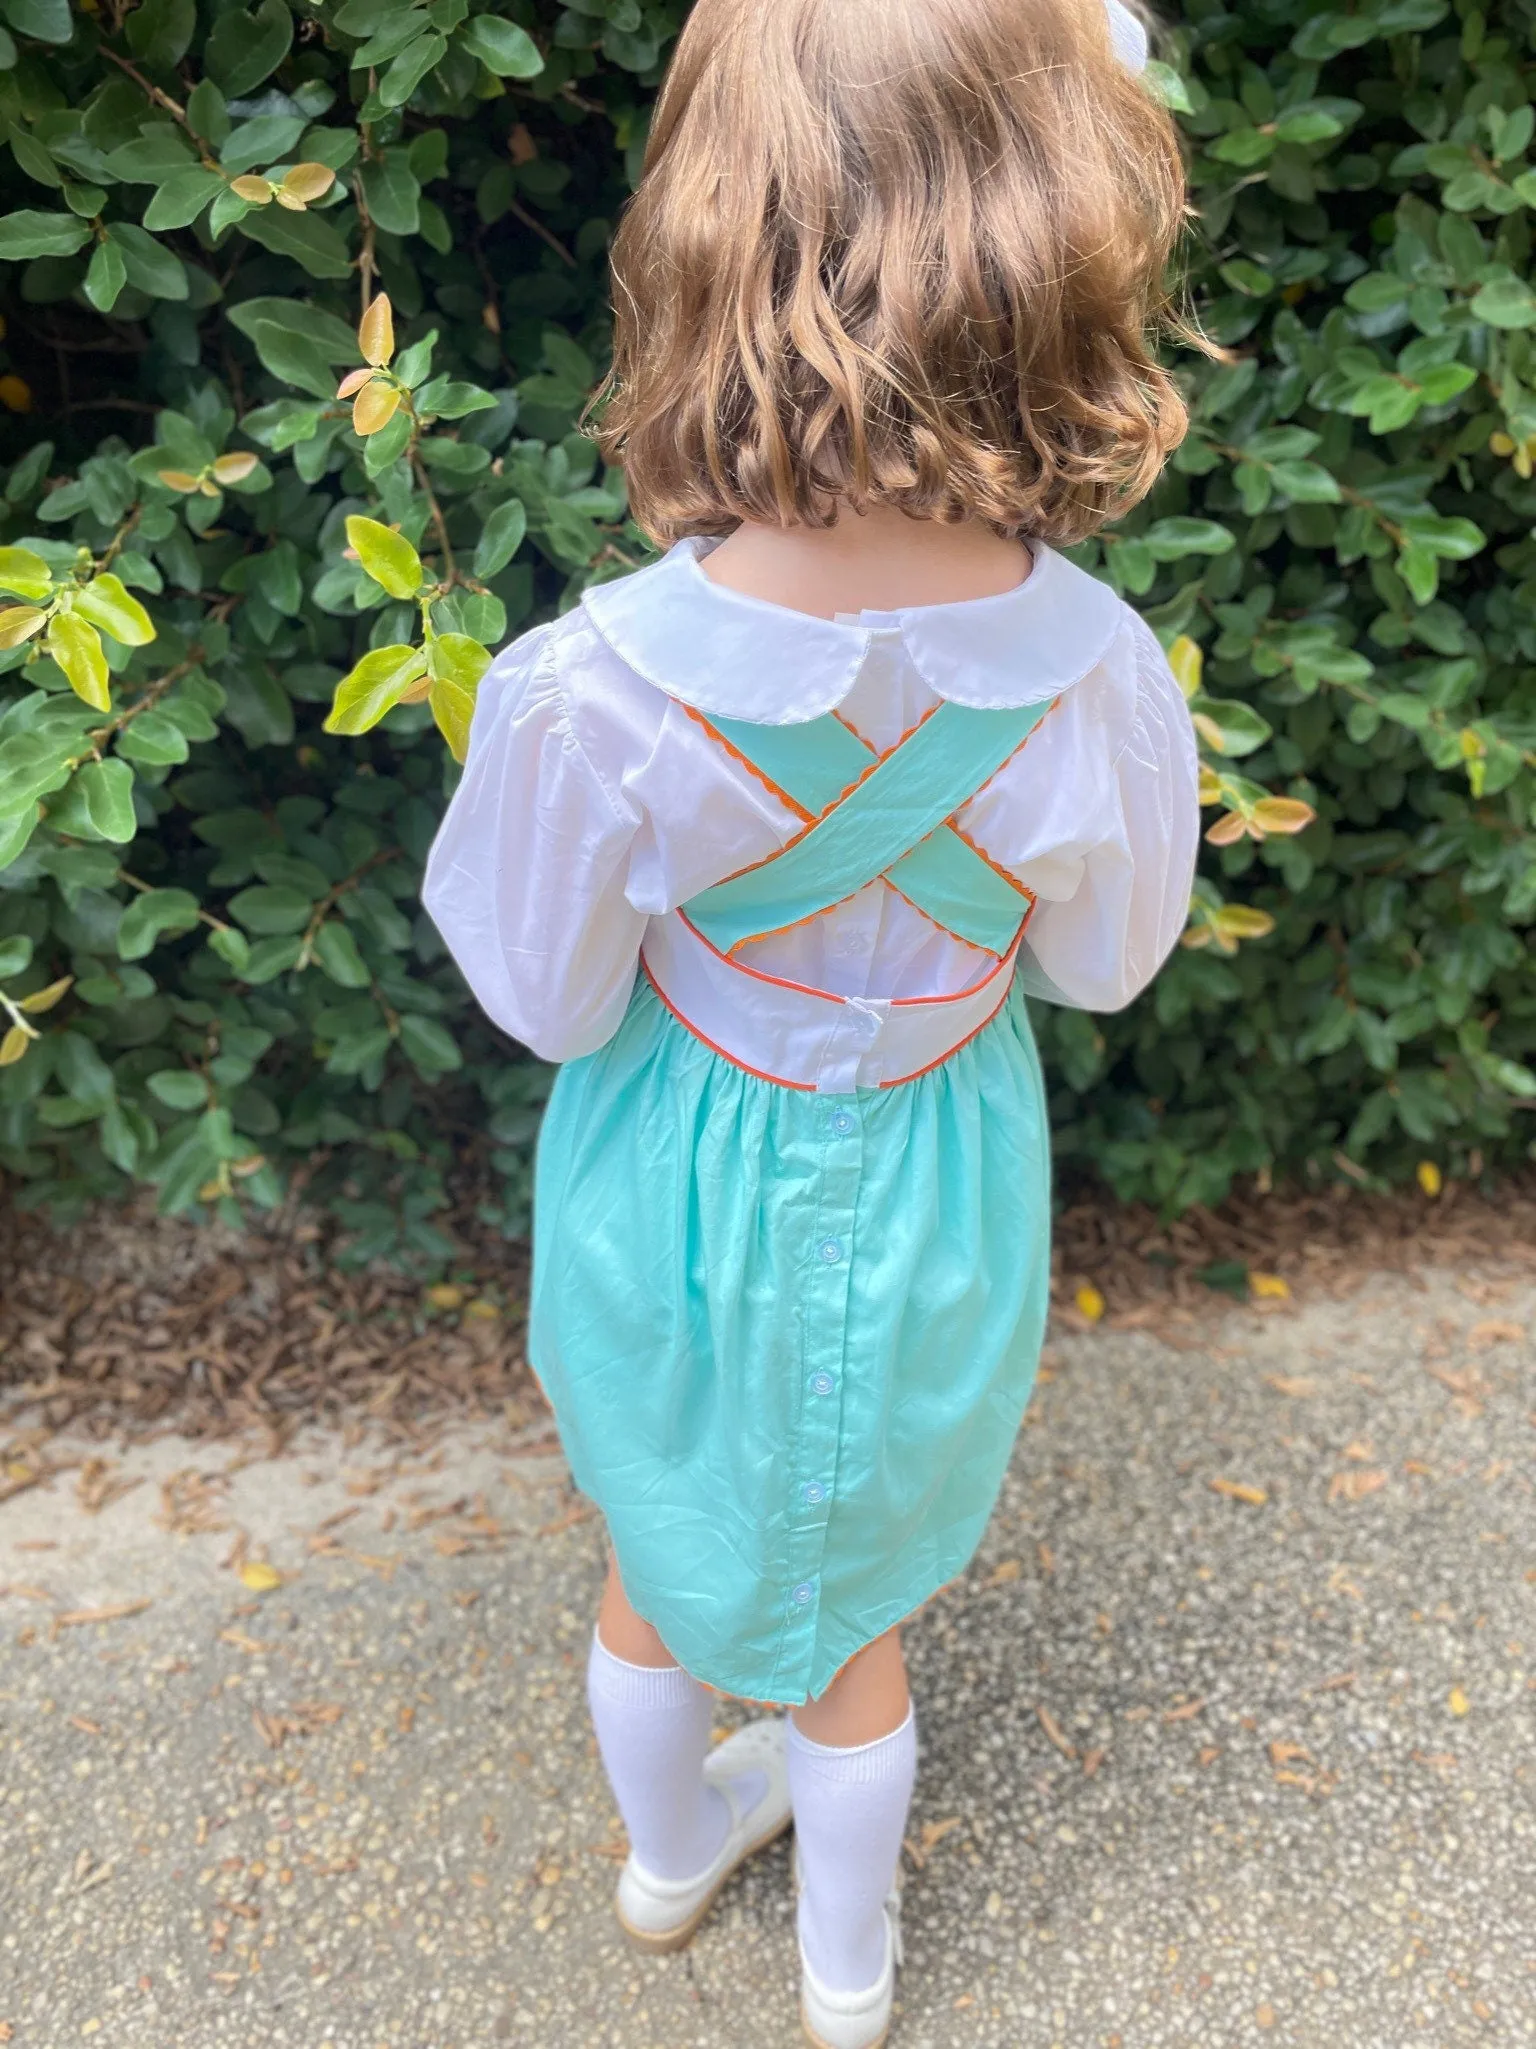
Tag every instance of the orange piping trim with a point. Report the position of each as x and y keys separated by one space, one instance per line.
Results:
x=757 y=974
x=828 y=995
x=778 y=1080
x=921 y=1071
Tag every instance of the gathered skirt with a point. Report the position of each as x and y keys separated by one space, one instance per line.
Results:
x=788 y=1338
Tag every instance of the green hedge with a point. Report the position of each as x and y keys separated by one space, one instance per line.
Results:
x=215 y=969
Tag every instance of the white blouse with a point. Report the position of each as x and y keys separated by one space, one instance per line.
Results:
x=593 y=805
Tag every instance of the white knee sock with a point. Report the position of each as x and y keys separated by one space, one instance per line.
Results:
x=653 y=1732
x=850 y=1815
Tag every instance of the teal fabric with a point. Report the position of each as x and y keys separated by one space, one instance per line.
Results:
x=914 y=790
x=788 y=1337
x=816 y=761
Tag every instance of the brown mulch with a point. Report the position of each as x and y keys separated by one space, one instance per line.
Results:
x=128 y=1325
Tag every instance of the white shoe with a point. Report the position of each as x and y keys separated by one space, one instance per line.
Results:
x=852 y=2020
x=662 y=1913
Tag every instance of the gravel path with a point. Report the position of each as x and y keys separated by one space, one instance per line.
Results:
x=1227 y=1735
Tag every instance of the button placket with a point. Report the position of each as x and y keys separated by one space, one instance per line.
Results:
x=813 y=1473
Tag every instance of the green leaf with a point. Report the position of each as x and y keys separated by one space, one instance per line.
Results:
x=337 y=952
x=182 y=197
x=26 y=234
x=45 y=21
x=261 y=141
x=501 y=538
x=429 y=1047
x=1228 y=726
x=392 y=193
x=1305 y=483
x=152 y=916
x=502 y=47
x=1169 y=539
x=105 y=791
x=446 y=399
x=374 y=687
x=243 y=49
x=107 y=604
x=308 y=239
x=105 y=275
x=270 y=908
x=157 y=154
x=410 y=68
x=15 y=954
x=1503 y=302
x=150 y=265
x=153 y=738
x=387 y=557
x=178 y=1088
x=160 y=32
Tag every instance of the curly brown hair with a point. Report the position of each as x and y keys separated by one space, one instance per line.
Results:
x=910 y=252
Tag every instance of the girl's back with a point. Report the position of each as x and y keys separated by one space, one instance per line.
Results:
x=768 y=843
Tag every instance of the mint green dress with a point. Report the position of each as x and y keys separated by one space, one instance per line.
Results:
x=789 y=1336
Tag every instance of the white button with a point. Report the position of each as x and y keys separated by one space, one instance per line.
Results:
x=804 y=1594
x=822 y=1383
x=831 y=1250
x=842 y=1124
x=815 y=1493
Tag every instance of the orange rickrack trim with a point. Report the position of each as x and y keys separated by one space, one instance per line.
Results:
x=807 y=829
x=790 y=803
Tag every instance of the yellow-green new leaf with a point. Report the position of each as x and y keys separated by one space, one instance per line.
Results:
x=44 y=999
x=1186 y=658
x=19 y=623
x=457 y=659
x=108 y=604
x=76 y=647
x=1282 y=814
x=387 y=556
x=24 y=573
x=374 y=687
x=453 y=707
x=1242 y=921
x=456 y=663
x=14 y=1044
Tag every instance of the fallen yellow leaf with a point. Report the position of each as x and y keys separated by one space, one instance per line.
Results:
x=1458 y=1702
x=445 y=1296
x=1090 y=1302
x=260 y=1577
x=1429 y=1177
x=1237 y=1491
x=1270 y=1287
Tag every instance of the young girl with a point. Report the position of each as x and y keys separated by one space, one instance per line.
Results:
x=769 y=841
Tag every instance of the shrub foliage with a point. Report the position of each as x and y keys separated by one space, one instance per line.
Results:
x=307 y=300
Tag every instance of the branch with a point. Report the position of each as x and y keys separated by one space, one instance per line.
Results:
x=161 y=99
x=521 y=213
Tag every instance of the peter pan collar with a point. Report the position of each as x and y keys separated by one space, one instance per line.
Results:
x=742 y=657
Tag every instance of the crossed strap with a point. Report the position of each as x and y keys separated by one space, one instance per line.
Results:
x=871 y=817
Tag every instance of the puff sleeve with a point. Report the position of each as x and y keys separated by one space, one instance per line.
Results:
x=526 y=878
x=1098 y=948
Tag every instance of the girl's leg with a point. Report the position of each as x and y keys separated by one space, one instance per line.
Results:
x=852 y=1761
x=653 y=1726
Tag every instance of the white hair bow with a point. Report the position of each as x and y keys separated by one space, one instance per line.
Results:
x=1129 y=36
